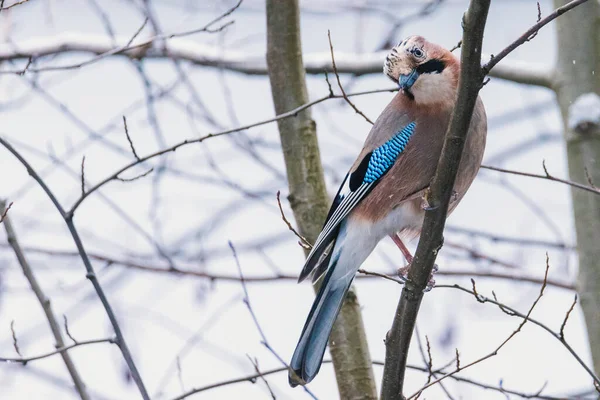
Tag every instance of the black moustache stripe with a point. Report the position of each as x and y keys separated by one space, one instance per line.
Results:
x=431 y=67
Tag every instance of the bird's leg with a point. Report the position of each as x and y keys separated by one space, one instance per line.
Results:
x=403 y=271
x=402 y=247
x=425 y=202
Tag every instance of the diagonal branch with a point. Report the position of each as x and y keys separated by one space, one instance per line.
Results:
x=527 y=36
x=337 y=76
x=45 y=303
x=91 y=274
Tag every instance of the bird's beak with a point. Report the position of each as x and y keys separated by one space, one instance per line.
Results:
x=406 y=81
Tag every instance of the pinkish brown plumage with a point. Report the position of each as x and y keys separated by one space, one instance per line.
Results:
x=383 y=193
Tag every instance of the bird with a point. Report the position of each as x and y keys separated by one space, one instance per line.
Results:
x=384 y=192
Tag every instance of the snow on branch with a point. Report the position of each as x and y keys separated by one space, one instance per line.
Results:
x=212 y=56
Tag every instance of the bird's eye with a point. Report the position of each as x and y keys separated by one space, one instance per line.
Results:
x=418 y=53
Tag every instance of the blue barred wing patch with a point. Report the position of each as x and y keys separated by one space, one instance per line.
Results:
x=385 y=155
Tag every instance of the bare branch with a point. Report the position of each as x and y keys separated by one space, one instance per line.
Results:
x=62 y=350
x=5 y=212
x=303 y=242
x=253 y=377
x=564 y=324
x=528 y=34
x=513 y=312
x=66 y=325
x=46 y=306
x=497 y=349
x=129 y=139
x=237 y=61
x=83 y=176
x=262 y=377
x=90 y=273
x=282 y=116
x=340 y=83
x=135 y=178
x=103 y=48
x=14 y=338
x=8 y=7
x=547 y=176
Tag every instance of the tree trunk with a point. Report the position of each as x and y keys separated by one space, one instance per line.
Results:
x=578 y=73
x=308 y=195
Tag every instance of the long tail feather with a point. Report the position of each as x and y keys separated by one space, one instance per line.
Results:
x=308 y=356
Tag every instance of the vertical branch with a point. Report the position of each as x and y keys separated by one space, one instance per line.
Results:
x=308 y=195
x=578 y=68
x=45 y=303
x=471 y=79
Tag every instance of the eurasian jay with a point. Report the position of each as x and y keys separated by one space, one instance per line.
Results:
x=383 y=193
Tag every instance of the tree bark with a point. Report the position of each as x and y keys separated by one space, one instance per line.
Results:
x=308 y=195
x=578 y=72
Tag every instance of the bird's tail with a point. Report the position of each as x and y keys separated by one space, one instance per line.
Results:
x=348 y=253
x=309 y=352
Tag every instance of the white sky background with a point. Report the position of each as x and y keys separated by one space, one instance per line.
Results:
x=191 y=213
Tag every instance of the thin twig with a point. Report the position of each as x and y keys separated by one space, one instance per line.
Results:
x=264 y=341
x=564 y=324
x=83 y=176
x=252 y=378
x=2 y=7
x=525 y=36
x=589 y=177
x=430 y=359
x=129 y=139
x=456 y=46
x=135 y=178
x=288 y=114
x=547 y=176
x=328 y=84
x=303 y=242
x=384 y=276
x=90 y=273
x=137 y=32
x=340 y=83
x=14 y=338
x=61 y=350
x=5 y=212
x=193 y=271
x=497 y=349
x=66 y=325
x=513 y=312
x=138 y=50
x=539 y=18
x=46 y=306
x=261 y=376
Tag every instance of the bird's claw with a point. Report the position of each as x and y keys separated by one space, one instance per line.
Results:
x=403 y=275
x=403 y=272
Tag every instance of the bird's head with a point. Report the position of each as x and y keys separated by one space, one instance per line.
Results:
x=425 y=72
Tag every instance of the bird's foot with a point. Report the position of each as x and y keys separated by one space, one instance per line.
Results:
x=431 y=281
x=403 y=275
x=403 y=272
x=427 y=207
x=453 y=196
